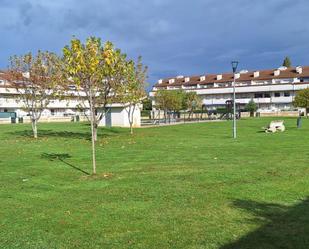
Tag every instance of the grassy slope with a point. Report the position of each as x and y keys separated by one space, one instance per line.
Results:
x=187 y=186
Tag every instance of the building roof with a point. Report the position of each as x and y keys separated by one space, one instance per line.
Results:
x=4 y=75
x=269 y=74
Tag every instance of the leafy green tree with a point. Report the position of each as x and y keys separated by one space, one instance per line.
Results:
x=97 y=70
x=36 y=78
x=177 y=97
x=169 y=100
x=147 y=107
x=287 y=62
x=147 y=104
x=302 y=99
x=162 y=101
x=192 y=102
x=251 y=107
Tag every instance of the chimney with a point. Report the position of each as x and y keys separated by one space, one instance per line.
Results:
x=202 y=78
x=171 y=81
x=160 y=81
x=219 y=77
x=187 y=79
x=256 y=74
x=282 y=68
x=299 y=70
x=244 y=71
x=277 y=72
x=26 y=75
x=237 y=75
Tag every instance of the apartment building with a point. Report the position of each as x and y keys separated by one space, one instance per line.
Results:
x=67 y=107
x=272 y=90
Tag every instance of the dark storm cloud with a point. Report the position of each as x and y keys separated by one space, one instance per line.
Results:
x=174 y=37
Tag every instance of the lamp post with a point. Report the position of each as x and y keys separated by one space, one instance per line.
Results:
x=234 y=66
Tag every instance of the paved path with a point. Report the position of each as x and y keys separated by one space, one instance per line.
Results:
x=179 y=123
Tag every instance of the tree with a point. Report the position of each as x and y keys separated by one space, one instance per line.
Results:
x=302 y=99
x=192 y=102
x=133 y=88
x=36 y=80
x=251 y=107
x=169 y=101
x=287 y=62
x=176 y=100
x=161 y=102
x=147 y=104
x=96 y=70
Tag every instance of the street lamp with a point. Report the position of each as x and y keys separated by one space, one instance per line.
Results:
x=234 y=66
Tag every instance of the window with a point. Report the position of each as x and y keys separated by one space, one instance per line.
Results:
x=258 y=95
x=286 y=94
x=266 y=95
x=277 y=95
x=52 y=111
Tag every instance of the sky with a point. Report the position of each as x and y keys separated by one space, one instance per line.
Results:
x=173 y=37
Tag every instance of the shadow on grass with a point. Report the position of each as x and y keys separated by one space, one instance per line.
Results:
x=52 y=133
x=66 y=134
x=283 y=227
x=62 y=158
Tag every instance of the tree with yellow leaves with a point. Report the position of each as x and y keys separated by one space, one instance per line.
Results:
x=132 y=89
x=97 y=71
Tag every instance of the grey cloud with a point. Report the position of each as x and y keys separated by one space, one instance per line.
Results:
x=174 y=37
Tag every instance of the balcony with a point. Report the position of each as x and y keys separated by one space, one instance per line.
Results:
x=272 y=100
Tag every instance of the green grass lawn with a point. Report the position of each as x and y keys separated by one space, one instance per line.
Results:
x=184 y=186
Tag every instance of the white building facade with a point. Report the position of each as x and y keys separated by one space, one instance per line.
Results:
x=272 y=90
x=117 y=115
x=63 y=109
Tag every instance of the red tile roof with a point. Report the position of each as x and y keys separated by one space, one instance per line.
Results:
x=228 y=77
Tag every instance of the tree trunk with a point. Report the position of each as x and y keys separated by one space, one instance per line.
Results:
x=94 y=171
x=131 y=128
x=34 y=128
x=131 y=117
x=131 y=122
x=93 y=134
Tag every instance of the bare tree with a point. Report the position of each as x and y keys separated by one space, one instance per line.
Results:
x=36 y=80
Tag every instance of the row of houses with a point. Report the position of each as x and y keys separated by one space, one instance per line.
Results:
x=273 y=90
